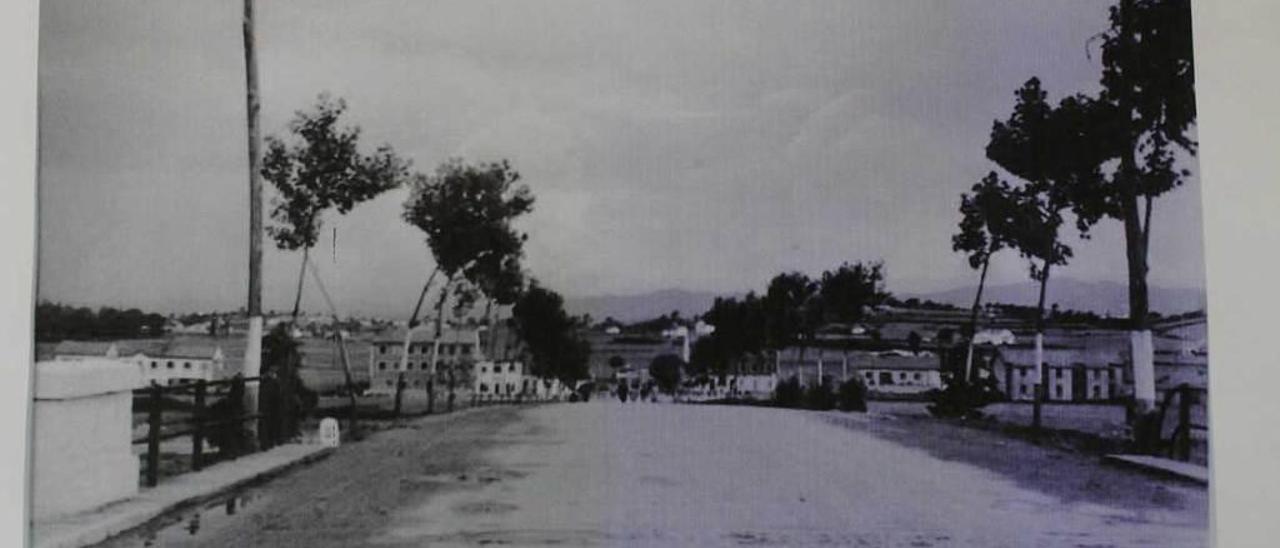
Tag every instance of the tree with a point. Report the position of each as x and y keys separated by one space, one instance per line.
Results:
x=1142 y=118
x=466 y=212
x=786 y=303
x=984 y=217
x=913 y=342
x=1037 y=145
x=550 y=335
x=665 y=371
x=322 y=169
x=846 y=292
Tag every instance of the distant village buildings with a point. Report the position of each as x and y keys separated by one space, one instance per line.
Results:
x=167 y=363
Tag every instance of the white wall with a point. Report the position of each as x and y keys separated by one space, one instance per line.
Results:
x=82 y=436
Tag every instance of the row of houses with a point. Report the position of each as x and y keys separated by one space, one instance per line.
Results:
x=1081 y=366
x=166 y=362
x=487 y=360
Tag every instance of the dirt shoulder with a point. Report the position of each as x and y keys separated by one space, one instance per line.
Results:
x=1054 y=467
x=345 y=498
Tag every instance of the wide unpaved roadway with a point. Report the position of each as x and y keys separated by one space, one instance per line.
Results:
x=605 y=473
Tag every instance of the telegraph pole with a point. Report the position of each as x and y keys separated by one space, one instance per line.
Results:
x=253 y=347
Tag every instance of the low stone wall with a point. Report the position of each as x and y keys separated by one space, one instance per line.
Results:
x=81 y=436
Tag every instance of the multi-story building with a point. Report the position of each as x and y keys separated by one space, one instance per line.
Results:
x=390 y=358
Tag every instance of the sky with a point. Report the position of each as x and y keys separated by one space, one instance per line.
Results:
x=701 y=145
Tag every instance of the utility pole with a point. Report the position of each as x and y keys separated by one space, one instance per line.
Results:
x=253 y=347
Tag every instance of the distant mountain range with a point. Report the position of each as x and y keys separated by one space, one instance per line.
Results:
x=1101 y=297
x=644 y=306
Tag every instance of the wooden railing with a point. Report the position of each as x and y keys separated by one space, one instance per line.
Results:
x=200 y=424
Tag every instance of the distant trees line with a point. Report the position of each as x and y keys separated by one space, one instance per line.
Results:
x=57 y=322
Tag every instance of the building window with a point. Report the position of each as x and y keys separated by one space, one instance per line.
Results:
x=915 y=376
x=408 y=365
x=511 y=368
x=382 y=349
x=465 y=348
x=1057 y=391
x=484 y=388
x=886 y=377
x=153 y=365
x=390 y=383
x=169 y=365
x=1097 y=392
x=382 y=366
x=1026 y=390
x=483 y=369
x=1057 y=373
x=186 y=365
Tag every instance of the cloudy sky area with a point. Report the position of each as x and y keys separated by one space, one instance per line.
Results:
x=698 y=145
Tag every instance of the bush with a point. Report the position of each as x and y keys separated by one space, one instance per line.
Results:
x=788 y=393
x=819 y=397
x=852 y=396
x=963 y=399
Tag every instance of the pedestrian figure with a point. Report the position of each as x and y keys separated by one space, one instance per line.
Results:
x=622 y=392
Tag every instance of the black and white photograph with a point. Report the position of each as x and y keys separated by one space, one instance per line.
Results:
x=618 y=273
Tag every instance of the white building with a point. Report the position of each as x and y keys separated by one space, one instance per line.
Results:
x=166 y=363
x=508 y=379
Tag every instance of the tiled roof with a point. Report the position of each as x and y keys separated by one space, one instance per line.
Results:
x=82 y=348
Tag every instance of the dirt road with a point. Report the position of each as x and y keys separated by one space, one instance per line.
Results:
x=606 y=473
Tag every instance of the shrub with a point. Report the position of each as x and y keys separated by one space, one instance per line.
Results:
x=819 y=397
x=788 y=393
x=963 y=399
x=852 y=396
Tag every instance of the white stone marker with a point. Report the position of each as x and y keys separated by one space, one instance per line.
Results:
x=329 y=432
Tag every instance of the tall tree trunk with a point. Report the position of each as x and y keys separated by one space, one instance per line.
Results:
x=973 y=319
x=1140 y=344
x=413 y=319
x=1041 y=374
x=253 y=345
x=297 y=298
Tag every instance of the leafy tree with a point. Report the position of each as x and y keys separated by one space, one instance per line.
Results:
x=787 y=304
x=1143 y=119
x=845 y=293
x=1037 y=144
x=322 y=169
x=984 y=214
x=741 y=329
x=665 y=371
x=466 y=212
x=550 y=334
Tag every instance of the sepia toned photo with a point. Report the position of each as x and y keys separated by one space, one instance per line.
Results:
x=459 y=273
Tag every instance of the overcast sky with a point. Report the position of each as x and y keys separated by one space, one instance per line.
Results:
x=699 y=145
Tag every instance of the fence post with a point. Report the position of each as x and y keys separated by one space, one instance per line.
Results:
x=399 y=391
x=431 y=395
x=153 y=436
x=197 y=437
x=237 y=414
x=1184 y=422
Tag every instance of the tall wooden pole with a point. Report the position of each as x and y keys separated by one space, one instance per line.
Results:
x=253 y=347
